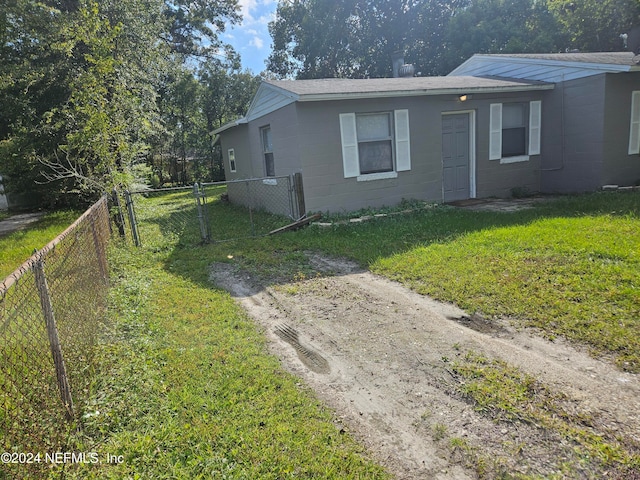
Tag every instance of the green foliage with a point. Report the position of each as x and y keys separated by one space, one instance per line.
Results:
x=596 y=25
x=355 y=39
x=501 y=26
x=192 y=105
x=80 y=82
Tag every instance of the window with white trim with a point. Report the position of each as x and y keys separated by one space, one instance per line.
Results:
x=514 y=131
x=375 y=142
x=232 y=160
x=375 y=145
x=634 y=129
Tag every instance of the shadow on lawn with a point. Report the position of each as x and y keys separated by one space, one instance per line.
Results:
x=280 y=259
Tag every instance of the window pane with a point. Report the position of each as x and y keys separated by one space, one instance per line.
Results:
x=375 y=157
x=373 y=127
x=269 y=165
x=267 y=146
x=513 y=115
x=513 y=142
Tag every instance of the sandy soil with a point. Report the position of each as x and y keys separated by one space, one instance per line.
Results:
x=377 y=354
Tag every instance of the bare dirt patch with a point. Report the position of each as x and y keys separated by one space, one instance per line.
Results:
x=379 y=355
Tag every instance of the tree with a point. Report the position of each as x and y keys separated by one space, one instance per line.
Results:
x=500 y=26
x=356 y=38
x=79 y=79
x=226 y=95
x=596 y=25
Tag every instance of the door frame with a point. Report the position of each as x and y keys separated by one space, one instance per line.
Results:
x=472 y=148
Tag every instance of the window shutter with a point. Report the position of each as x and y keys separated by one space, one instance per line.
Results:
x=495 y=131
x=535 y=124
x=403 y=149
x=349 y=138
x=634 y=131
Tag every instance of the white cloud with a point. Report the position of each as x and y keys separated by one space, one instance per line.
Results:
x=253 y=11
x=257 y=42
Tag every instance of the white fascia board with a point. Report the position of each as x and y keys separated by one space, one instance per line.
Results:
x=229 y=125
x=430 y=92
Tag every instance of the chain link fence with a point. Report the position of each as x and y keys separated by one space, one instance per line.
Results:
x=50 y=310
x=213 y=212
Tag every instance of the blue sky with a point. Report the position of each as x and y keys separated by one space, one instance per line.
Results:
x=251 y=38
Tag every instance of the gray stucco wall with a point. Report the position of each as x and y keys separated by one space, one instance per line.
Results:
x=619 y=168
x=237 y=139
x=284 y=133
x=573 y=136
x=496 y=179
x=326 y=189
x=306 y=138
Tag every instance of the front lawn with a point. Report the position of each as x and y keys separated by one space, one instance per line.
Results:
x=575 y=276
x=187 y=389
x=569 y=267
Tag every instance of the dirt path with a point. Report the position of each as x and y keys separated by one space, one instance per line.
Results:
x=18 y=222
x=377 y=354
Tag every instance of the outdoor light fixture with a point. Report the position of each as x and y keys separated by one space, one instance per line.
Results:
x=464 y=97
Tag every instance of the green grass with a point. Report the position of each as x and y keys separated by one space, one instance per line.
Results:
x=575 y=277
x=18 y=246
x=188 y=390
x=568 y=267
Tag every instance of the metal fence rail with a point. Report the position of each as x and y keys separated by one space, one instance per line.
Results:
x=50 y=309
x=214 y=212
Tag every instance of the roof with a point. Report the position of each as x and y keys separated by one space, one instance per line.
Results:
x=342 y=88
x=275 y=94
x=550 y=67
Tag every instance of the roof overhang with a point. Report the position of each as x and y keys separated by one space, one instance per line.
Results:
x=272 y=96
x=564 y=62
x=227 y=126
x=426 y=92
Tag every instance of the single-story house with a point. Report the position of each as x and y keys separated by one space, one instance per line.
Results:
x=374 y=142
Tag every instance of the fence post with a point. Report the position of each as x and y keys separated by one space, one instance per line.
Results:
x=250 y=198
x=52 y=333
x=202 y=215
x=298 y=188
x=132 y=217
x=118 y=218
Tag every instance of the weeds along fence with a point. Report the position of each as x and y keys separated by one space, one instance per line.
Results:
x=50 y=310
x=213 y=212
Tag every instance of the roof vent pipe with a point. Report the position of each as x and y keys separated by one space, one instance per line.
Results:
x=406 y=70
x=397 y=61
